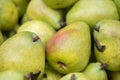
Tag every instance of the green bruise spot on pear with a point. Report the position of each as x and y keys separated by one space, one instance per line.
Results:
x=99 y=47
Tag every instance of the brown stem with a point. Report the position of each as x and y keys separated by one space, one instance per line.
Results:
x=99 y=47
x=73 y=77
x=35 y=38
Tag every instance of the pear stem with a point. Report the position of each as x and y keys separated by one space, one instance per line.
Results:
x=100 y=47
x=73 y=77
x=103 y=66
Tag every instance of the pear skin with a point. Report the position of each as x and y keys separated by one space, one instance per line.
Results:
x=24 y=52
x=7 y=10
x=92 y=11
x=117 y=3
x=106 y=43
x=70 y=48
x=38 y=10
x=58 y=4
x=115 y=75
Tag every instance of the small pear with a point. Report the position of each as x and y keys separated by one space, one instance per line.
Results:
x=75 y=76
x=96 y=71
x=8 y=15
x=21 y=6
x=115 y=75
x=106 y=43
x=57 y=4
x=92 y=11
x=38 y=10
x=11 y=75
x=42 y=29
x=70 y=48
x=24 y=52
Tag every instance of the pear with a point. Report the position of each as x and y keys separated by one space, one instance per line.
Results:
x=57 y=4
x=38 y=10
x=75 y=76
x=25 y=18
x=106 y=43
x=42 y=29
x=1 y=38
x=115 y=75
x=50 y=73
x=96 y=71
x=70 y=48
x=24 y=52
x=92 y=11
x=117 y=3
x=7 y=10
x=11 y=75
x=21 y=6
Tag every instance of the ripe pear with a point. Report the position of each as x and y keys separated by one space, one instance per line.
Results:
x=50 y=73
x=70 y=48
x=115 y=75
x=75 y=76
x=117 y=3
x=11 y=75
x=38 y=10
x=57 y=4
x=1 y=38
x=24 y=52
x=106 y=43
x=7 y=10
x=92 y=11
x=42 y=29
x=21 y=6
x=96 y=71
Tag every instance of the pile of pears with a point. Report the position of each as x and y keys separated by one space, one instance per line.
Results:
x=59 y=39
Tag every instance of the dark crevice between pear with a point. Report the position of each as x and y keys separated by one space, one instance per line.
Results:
x=100 y=48
x=97 y=28
x=73 y=77
x=61 y=64
x=103 y=66
x=32 y=76
x=35 y=38
x=45 y=75
x=62 y=24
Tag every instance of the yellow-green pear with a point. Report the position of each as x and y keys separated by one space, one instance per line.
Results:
x=96 y=71
x=70 y=48
x=115 y=75
x=42 y=29
x=25 y=18
x=75 y=76
x=24 y=52
x=106 y=43
x=21 y=6
x=92 y=11
x=8 y=15
x=12 y=75
x=57 y=4
x=38 y=10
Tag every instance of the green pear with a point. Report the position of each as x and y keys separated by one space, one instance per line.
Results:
x=106 y=43
x=50 y=74
x=21 y=6
x=1 y=38
x=96 y=71
x=24 y=52
x=75 y=76
x=115 y=75
x=8 y=15
x=57 y=4
x=70 y=48
x=38 y=10
x=11 y=75
x=117 y=3
x=92 y=11
x=42 y=29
